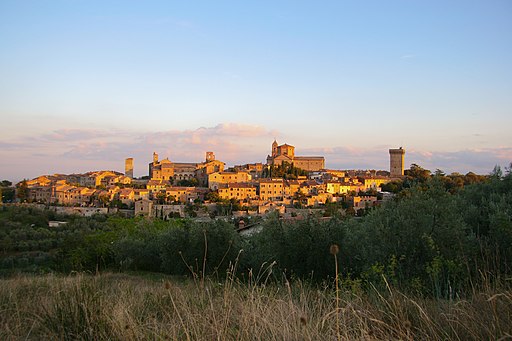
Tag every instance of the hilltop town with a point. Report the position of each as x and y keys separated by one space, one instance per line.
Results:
x=289 y=184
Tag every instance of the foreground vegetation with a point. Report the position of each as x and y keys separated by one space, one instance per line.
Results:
x=430 y=240
x=125 y=307
x=433 y=263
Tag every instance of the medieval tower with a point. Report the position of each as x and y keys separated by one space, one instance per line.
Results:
x=274 y=148
x=210 y=156
x=396 y=162
x=128 y=167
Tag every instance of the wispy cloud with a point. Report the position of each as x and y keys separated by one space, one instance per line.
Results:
x=231 y=142
x=80 y=150
x=73 y=135
x=407 y=56
x=10 y=146
x=352 y=157
x=477 y=160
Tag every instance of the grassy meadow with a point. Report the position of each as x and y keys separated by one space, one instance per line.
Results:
x=114 y=306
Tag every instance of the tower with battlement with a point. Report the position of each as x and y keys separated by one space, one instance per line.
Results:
x=396 y=162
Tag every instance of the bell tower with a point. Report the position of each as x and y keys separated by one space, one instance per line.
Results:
x=210 y=156
x=274 y=148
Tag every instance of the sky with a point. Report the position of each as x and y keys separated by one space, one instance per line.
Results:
x=86 y=84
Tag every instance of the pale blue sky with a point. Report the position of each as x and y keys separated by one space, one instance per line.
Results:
x=84 y=84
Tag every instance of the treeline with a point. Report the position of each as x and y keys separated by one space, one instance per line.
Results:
x=284 y=170
x=417 y=175
x=429 y=240
x=6 y=191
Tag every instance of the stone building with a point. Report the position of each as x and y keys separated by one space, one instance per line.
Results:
x=128 y=167
x=97 y=178
x=210 y=166
x=143 y=207
x=238 y=191
x=286 y=153
x=161 y=170
x=396 y=162
x=178 y=171
x=215 y=180
x=255 y=169
x=271 y=189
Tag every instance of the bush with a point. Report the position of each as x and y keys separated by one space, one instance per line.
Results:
x=194 y=247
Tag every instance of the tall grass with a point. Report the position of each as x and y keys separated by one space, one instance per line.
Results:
x=127 y=307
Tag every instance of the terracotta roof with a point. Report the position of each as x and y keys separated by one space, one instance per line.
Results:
x=293 y=182
x=158 y=182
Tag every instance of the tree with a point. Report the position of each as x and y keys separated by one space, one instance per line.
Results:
x=170 y=199
x=299 y=199
x=234 y=205
x=104 y=200
x=190 y=210
x=418 y=173
x=508 y=170
x=472 y=178
x=22 y=191
x=439 y=172
x=5 y=183
x=392 y=186
x=496 y=172
x=118 y=203
x=284 y=170
x=188 y=183
x=213 y=196
x=160 y=197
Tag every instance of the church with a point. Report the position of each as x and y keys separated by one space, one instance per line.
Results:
x=286 y=153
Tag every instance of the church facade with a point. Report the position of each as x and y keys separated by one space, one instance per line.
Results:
x=286 y=153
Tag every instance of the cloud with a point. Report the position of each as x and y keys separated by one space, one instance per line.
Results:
x=73 y=135
x=232 y=143
x=81 y=150
x=425 y=154
x=481 y=161
x=350 y=157
x=242 y=130
x=407 y=56
x=10 y=146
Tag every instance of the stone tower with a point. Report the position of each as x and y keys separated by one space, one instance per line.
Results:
x=155 y=157
x=274 y=148
x=128 y=167
x=210 y=156
x=396 y=162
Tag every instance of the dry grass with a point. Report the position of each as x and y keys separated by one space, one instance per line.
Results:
x=124 y=307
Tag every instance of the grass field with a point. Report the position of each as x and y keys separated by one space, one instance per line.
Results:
x=132 y=307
